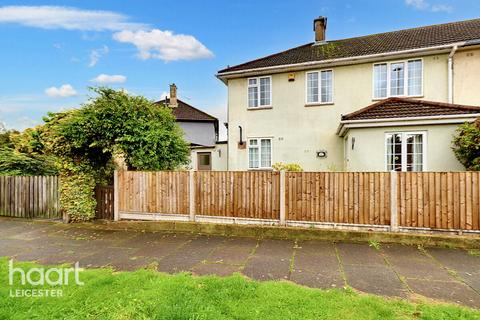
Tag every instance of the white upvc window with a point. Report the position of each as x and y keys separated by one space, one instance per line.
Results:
x=405 y=151
x=398 y=79
x=260 y=153
x=319 y=87
x=260 y=92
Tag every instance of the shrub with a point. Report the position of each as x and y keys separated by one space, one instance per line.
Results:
x=292 y=167
x=466 y=145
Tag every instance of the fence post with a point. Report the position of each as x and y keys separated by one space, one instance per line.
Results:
x=393 y=202
x=116 y=200
x=191 y=195
x=282 y=197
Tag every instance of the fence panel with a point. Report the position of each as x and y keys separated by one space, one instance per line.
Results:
x=153 y=192
x=440 y=200
x=30 y=197
x=254 y=195
x=338 y=197
x=105 y=202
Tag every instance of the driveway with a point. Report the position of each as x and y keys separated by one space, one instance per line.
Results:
x=450 y=275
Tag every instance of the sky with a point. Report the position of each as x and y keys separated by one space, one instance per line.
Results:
x=51 y=52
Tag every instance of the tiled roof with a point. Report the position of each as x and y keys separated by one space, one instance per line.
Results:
x=186 y=112
x=422 y=37
x=408 y=108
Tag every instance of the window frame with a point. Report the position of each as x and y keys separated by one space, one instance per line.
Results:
x=405 y=79
x=258 y=90
x=319 y=87
x=258 y=146
x=404 y=149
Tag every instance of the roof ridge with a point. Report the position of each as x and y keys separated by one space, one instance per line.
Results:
x=408 y=29
x=417 y=102
x=420 y=37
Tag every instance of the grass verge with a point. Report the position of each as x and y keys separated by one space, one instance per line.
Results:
x=146 y=294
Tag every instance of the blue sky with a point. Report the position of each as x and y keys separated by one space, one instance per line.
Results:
x=52 y=51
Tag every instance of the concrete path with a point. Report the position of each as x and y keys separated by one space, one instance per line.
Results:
x=392 y=270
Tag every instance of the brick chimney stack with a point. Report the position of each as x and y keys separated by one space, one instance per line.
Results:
x=320 y=28
x=173 y=96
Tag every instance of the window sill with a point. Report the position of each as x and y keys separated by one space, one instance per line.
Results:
x=260 y=108
x=260 y=169
x=319 y=104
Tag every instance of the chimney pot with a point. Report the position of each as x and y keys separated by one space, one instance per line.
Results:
x=320 y=28
x=173 y=96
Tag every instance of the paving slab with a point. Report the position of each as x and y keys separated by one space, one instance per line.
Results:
x=359 y=254
x=456 y=259
x=271 y=260
x=316 y=265
x=373 y=279
x=104 y=257
x=187 y=256
x=411 y=263
x=234 y=251
x=449 y=291
x=162 y=246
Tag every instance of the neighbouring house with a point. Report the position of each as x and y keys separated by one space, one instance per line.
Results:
x=201 y=131
x=387 y=101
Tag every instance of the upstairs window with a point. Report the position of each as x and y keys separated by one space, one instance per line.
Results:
x=404 y=78
x=320 y=87
x=260 y=92
x=260 y=153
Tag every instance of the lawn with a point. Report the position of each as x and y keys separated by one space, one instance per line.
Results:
x=146 y=294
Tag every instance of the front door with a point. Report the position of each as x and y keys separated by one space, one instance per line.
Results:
x=204 y=161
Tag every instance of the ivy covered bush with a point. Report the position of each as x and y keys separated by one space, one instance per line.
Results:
x=466 y=145
x=85 y=141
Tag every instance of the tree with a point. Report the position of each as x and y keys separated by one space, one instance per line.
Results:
x=114 y=123
x=466 y=145
x=20 y=156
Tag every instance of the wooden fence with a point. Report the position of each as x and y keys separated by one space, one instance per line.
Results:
x=166 y=192
x=433 y=200
x=254 y=195
x=104 y=196
x=29 y=197
x=440 y=200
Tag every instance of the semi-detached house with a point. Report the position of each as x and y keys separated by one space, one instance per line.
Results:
x=388 y=101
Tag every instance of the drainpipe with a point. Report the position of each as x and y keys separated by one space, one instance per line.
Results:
x=450 y=73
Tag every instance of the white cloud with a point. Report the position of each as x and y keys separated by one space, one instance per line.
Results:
x=64 y=91
x=164 y=45
x=105 y=78
x=59 y=17
x=96 y=54
x=425 y=5
x=441 y=8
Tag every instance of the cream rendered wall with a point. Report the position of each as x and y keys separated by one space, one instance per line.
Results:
x=466 y=77
x=369 y=150
x=219 y=157
x=299 y=131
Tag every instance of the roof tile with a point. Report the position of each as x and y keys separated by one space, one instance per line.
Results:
x=408 y=108
x=186 y=112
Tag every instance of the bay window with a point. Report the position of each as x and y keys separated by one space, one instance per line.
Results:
x=405 y=151
x=319 y=87
x=260 y=153
x=404 y=78
x=259 y=92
